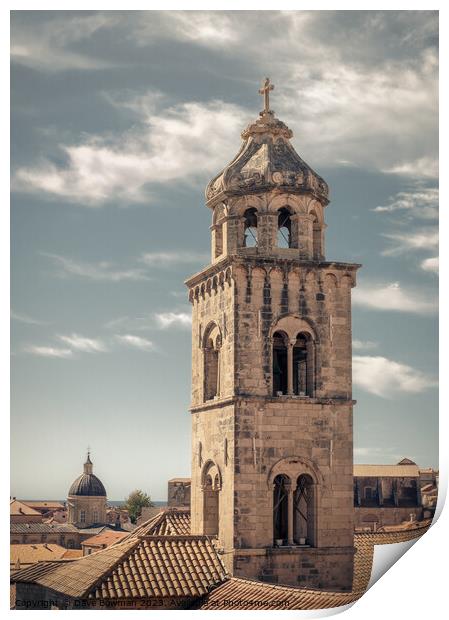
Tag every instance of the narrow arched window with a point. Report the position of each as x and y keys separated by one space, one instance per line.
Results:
x=316 y=238
x=82 y=516
x=284 y=237
x=250 y=228
x=280 y=369
x=95 y=517
x=280 y=509
x=304 y=511
x=303 y=365
x=211 y=507
x=212 y=363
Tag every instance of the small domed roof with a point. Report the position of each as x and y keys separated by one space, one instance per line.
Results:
x=266 y=161
x=88 y=484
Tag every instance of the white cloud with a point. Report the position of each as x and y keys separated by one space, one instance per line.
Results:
x=83 y=344
x=102 y=271
x=171 y=258
x=45 y=44
x=384 y=377
x=364 y=344
x=424 y=167
x=135 y=341
x=23 y=318
x=186 y=142
x=425 y=239
x=169 y=319
x=214 y=29
x=49 y=351
x=422 y=203
x=431 y=264
x=393 y=297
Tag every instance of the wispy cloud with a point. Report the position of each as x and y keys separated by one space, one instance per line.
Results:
x=431 y=264
x=48 y=351
x=402 y=242
x=393 y=297
x=385 y=378
x=422 y=203
x=186 y=142
x=83 y=344
x=23 y=318
x=364 y=344
x=424 y=167
x=101 y=271
x=173 y=258
x=136 y=342
x=50 y=45
x=177 y=319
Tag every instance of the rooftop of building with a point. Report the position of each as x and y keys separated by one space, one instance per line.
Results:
x=106 y=537
x=18 y=508
x=24 y=555
x=159 y=560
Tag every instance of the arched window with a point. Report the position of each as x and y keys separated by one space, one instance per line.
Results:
x=284 y=237
x=304 y=511
x=280 y=371
x=95 y=516
x=280 y=509
x=211 y=485
x=250 y=228
x=82 y=516
x=303 y=379
x=316 y=238
x=212 y=345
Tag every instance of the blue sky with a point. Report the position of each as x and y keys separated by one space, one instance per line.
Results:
x=119 y=120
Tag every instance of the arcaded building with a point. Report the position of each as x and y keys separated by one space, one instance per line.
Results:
x=87 y=501
x=272 y=439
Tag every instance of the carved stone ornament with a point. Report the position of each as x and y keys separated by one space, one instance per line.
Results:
x=266 y=160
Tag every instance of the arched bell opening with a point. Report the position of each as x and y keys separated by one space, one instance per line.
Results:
x=280 y=363
x=304 y=511
x=303 y=365
x=284 y=234
x=281 y=485
x=250 y=228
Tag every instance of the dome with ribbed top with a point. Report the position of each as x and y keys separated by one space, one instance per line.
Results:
x=87 y=484
x=266 y=161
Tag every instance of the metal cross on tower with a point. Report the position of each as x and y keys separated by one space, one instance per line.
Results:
x=265 y=91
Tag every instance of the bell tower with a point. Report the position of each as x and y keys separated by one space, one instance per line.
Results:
x=272 y=463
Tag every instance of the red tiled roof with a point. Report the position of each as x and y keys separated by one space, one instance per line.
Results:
x=170 y=522
x=108 y=537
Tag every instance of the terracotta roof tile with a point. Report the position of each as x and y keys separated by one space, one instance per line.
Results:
x=238 y=593
x=17 y=508
x=30 y=554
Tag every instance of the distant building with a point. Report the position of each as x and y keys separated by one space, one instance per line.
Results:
x=46 y=508
x=22 y=556
x=179 y=493
x=87 y=499
x=101 y=541
x=386 y=495
x=20 y=512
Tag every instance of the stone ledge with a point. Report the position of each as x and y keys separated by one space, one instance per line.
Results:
x=300 y=400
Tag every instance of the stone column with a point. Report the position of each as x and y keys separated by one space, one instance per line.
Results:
x=305 y=236
x=290 y=346
x=289 y=489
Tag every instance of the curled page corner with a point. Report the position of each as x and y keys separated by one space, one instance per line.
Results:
x=387 y=555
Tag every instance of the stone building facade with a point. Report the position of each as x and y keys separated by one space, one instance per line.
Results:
x=87 y=501
x=272 y=461
x=178 y=495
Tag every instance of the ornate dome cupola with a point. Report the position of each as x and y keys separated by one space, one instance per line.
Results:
x=87 y=498
x=269 y=178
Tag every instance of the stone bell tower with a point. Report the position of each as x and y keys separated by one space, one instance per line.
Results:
x=271 y=372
